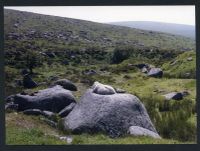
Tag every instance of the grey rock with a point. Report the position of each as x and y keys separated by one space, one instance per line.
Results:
x=89 y=72
x=64 y=112
x=111 y=114
x=28 y=82
x=144 y=70
x=174 y=95
x=102 y=89
x=189 y=59
x=66 y=84
x=139 y=131
x=155 y=72
x=68 y=139
x=52 y=99
x=141 y=65
x=118 y=90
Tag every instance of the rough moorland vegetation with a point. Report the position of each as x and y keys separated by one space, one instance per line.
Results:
x=40 y=50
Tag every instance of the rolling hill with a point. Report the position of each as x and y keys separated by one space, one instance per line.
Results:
x=177 y=29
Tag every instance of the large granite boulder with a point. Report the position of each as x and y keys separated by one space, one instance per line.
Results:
x=52 y=99
x=112 y=114
x=155 y=72
x=66 y=84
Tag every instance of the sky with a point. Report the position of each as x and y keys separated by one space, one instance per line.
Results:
x=104 y=14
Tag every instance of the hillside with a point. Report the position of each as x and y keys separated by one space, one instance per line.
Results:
x=176 y=29
x=49 y=48
x=67 y=31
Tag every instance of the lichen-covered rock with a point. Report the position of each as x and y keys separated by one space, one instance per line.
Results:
x=111 y=113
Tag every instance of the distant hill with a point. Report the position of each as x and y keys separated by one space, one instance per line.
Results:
x=177 y=29
x=59 y=32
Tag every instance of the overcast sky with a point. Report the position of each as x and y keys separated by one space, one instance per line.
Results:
x=102 y=14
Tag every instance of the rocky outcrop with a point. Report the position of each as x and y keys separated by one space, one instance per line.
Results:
x=52 y=99
x=111 y=113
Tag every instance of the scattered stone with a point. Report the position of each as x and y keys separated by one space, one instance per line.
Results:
x=174 y=95
x=189 y=59
x=187 y=74
x=66 y=84
x=140 y=66
x=112 y=114
x=89 y=72
x=139 y=131
x=28 y=82
x=68 y=139
x=155 y=72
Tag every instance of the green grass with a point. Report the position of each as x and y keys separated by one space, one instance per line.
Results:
x=182 y=66
x=29 y=130
x=174 y=120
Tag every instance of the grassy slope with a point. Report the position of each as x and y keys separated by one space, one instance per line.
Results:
x=32 y=131
x=182 y=66
x=43 y=23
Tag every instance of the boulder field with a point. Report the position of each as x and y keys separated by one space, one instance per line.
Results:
x=101 y=109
